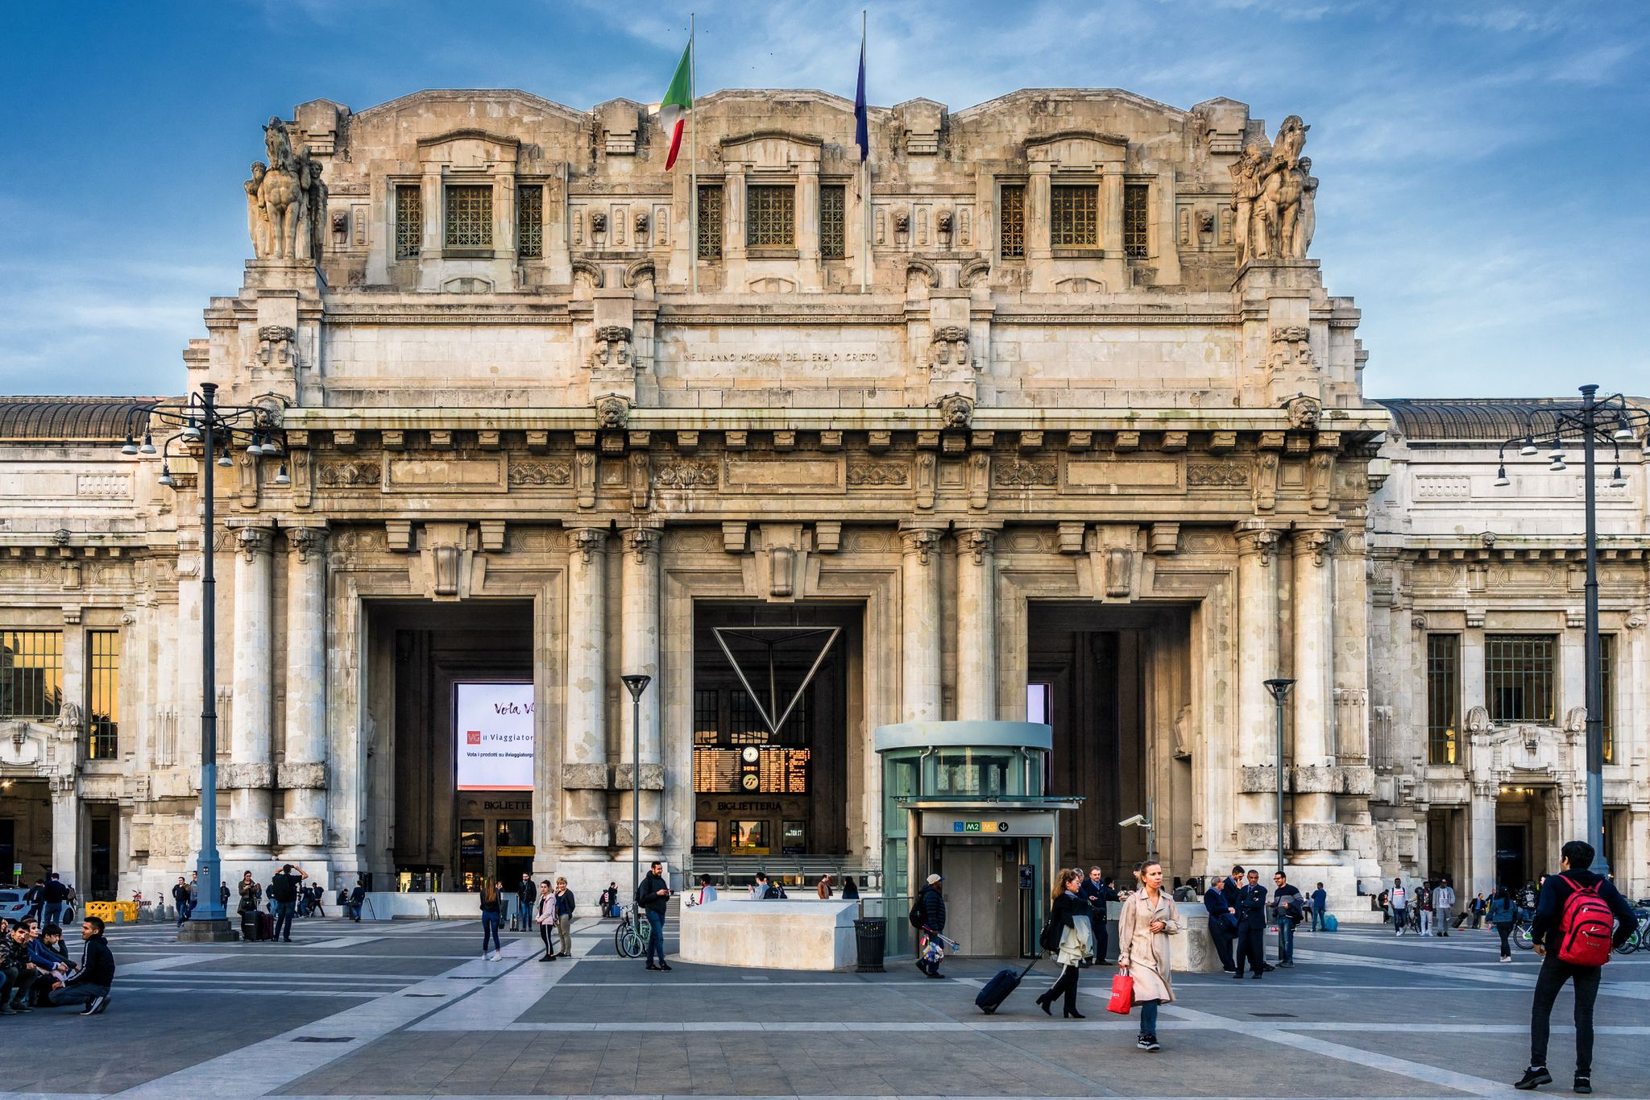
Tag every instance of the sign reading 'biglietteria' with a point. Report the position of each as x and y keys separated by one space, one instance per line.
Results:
x=493 y=730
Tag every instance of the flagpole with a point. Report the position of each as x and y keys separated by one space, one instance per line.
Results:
x=865 y=180
x=693 y=159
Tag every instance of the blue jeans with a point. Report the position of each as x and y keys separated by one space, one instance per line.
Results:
x=1148 y=1018
x=283 y=920
x=1286 y=939
x=1317 y=918
x=52 y=913
x=489 y=928
x=78 y=994
x=656 y=942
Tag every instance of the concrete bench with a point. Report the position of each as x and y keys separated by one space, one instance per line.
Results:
x=795 y=934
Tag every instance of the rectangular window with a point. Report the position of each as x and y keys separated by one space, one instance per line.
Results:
x=770 y=216
x=469 y=217
x=1012 y=241
x=530 y=222
x=31 y=673
x=707 y=716
x=409 y=221
x=1443 y=698
x=1136 y=211
x=1607 y=693
x=103 y=694
x=1074 y=216
x=833 y=235
x=1518 y=677
x=710 y=222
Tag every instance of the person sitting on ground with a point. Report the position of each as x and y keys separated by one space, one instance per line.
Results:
x=49 y=952
x=20 y=975
x=91 y=982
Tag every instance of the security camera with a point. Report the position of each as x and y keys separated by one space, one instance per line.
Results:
x=1137 y=819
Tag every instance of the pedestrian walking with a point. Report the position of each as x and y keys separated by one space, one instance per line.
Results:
x=544 y=918
x=52 y=896
x=1223 y=923
x=1251 y=911
x=1443 y=906
x=283 y=892
x=1287 y=911
x=1503 y=914
x=1320 y=907
x=652 y=895
x=491 y=900
x=931 y=908
x=1149 y=919
x=1073 y=915
x=180 y=898
x=565 y=904
x=1475 y=910
x=1398 y=899
x=1573 y=935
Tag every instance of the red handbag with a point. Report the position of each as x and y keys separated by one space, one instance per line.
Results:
x=1122 y=994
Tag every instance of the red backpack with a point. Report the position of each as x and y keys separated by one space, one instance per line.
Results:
x=1586 y=928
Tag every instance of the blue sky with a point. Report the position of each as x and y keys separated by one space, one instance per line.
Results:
x=1484 y=192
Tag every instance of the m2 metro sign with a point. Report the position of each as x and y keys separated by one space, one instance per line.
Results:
x=493 y=733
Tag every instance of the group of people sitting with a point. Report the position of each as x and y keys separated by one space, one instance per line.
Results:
x=37 y=971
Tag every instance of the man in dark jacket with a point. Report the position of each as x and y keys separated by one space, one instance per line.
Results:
x=1251 y=911
x=52 y=897
x=1547 y=931
x=932 y=901
x=1287 y=910
x=90 y=984
x=283 y=891
x=1223 y=923
x=526 y=895
x=180 y=898
x=652 y=895
x=1097 y=894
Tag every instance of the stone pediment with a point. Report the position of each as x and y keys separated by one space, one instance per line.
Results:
x=1525 y=750
x=1022 y=99
x=469 y=148
x=772 y=148
x=515 y=104
x=1076 y=150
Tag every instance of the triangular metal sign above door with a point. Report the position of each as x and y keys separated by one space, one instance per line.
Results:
x=771 y=638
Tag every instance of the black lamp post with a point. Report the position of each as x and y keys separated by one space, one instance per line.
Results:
x=636 y=683
x=214 y=428
x=1613 y=421
x=1279 y=688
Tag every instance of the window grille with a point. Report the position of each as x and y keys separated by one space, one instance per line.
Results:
x=1518 y=677
x=770 y=216
x=745 y=725
x=31 y=673
x=1443 y=698
x=1136 y=211
x=1074 y=216
x=469 y=217
x=1607 y=693
x=833 y=235
x=707 y=716
x=103 y=695
x=710 y=222
x=530 y=222
x=1013 y=234
x=409 y=221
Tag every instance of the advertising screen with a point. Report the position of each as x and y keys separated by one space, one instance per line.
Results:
x=493 y=729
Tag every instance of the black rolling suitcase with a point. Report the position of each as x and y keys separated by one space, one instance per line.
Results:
x=266 y=926
x=997 y=990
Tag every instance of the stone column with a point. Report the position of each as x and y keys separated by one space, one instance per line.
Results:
x=1314 y=759
x=66 y=820
x=920 y=625
x=301 y=832
x=976 y=625
x=1480 y=842
x=639 y=652
x=246 y=828
x=1257 y=662
x=584 y=823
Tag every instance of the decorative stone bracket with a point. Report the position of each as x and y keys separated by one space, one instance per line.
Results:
x=301 y=777
x=653 y=777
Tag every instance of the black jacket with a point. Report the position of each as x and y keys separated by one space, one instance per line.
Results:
x=1549 y=908
x=933 y=909
x=97 y=965
x=54 y=892
x=1251 y=905
x=565 y=903
x=1214 y=900
x=1065 y=907
x=647 y=894
x=284 y=887
x=1096 y=897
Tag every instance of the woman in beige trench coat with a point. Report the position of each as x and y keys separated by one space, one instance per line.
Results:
x=1149 y=918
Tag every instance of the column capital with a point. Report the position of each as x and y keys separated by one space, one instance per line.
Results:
x=588 y=541
x=252 y=541
x=302 y=542
x=1319 y=542
x=976 y=543
x=641 y=541
x=1257 y=537
x=920 y=542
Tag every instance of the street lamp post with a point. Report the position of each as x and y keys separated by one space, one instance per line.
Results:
x=1279 y=688
x=1613 y=421
x=636 y=683
x=215 y=428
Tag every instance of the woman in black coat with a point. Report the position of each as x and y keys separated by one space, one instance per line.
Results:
x=1070 y=914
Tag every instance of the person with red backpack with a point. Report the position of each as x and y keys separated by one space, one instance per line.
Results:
x=1580 y=918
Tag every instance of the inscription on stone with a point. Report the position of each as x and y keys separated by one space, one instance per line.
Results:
x=760 y=475
x=449 y=475
x=1112 y=476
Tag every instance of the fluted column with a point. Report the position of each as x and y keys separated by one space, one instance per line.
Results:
x=301 y=832
x=976 y=625
x=920 y=625
x=1312 y=697
x=584 y=747
x=639 y=653
x=249 y=776
x=1257 y=662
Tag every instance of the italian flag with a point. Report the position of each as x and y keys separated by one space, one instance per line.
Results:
x=678 y=101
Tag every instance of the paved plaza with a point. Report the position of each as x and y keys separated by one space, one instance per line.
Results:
x=408 y=1009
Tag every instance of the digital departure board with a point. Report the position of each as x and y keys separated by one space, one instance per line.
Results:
x=751 y=770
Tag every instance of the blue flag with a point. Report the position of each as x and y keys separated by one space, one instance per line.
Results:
x=862 y=131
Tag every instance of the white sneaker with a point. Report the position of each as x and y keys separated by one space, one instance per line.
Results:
x=497 y=956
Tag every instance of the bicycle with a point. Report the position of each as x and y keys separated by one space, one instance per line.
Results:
x=631 y=937
x=1521 y=934
x=1637 y=940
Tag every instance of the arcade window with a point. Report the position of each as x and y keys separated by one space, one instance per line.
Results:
x=770 y=216
x=409 y=221
x=469 y=221
x=31 y=673
x=1011 y=236
x=1443 y=698
x=833 y=235
x=103 y=694
x=1607 y=694
x=530 y=222
x=710 y=221
x=1074 y=216
x=1136 y=208
x=1518 y=677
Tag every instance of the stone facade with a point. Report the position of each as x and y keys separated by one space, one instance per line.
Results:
x=1024 y=369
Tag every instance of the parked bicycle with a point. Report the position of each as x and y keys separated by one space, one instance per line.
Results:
x=1641 y=934
x=630 y=938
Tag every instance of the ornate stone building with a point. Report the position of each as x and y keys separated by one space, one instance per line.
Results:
x=1055 y=421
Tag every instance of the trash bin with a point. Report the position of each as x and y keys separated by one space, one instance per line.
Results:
x=870 y=933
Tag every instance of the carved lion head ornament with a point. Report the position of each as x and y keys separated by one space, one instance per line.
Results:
x=612 y=411
x=957 y=410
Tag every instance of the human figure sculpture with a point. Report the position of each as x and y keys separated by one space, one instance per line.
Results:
x=257 y=224
x=1273 y=196
x=1245 y=188
x=286 y=200
x=1306 y=221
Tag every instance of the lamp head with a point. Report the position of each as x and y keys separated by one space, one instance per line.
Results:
x=130 y=446
x=1279 y=687
x=166 y=477
x=191 y=432
x=148 y=447
x=1617 y=480
x=1501 y=478
x=1528 y=449
x=224 y=460
x=282 y=477
x=636 y=683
